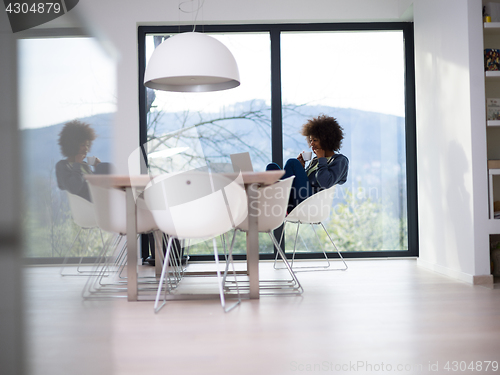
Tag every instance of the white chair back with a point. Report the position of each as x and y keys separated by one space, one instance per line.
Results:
x=195 y=204
x=82 y=211
x=272 y=205
x=111 y=211
x=314 y=209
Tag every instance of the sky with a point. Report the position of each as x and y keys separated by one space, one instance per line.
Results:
x=66 y=78
x=61 y=79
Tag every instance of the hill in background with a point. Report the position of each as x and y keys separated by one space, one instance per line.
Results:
x=374 y=142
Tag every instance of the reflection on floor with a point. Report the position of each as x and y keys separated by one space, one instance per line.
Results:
x=380 y=316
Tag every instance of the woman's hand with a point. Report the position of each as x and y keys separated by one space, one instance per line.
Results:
x=320 y=153
x=301 y=159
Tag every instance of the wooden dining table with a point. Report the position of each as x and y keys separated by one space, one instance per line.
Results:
x=131 y=183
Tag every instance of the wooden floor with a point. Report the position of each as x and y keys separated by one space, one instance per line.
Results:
x=380 y=316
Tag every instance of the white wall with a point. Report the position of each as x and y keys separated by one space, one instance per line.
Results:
x=451 y=137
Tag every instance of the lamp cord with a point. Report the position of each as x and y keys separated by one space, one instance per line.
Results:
x=197 y=10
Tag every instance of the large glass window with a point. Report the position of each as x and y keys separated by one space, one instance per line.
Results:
x=358 y=78
x=61 y=79
x=191 y=130
x=357 y=73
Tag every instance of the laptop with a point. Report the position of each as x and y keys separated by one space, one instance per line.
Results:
x=242 y=162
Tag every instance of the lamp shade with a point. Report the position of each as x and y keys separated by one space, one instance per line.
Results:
x=191 y=62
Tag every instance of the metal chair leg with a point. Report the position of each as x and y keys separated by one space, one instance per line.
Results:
x=100 y=270
x=322 y=249
x=338 y=252
x=294 y=247
x=220 y=282
x=227 y=262
x=67 y=253
x=79 y=272
x=287 y=265
x=164 y=270
x=313 y=268
x=86 y=244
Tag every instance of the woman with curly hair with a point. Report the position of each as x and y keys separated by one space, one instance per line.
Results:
x=324 y=135
x=75 y=140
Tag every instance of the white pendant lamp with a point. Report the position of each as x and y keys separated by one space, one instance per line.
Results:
x=192 y=62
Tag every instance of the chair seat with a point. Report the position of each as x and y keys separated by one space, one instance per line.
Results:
x=313 y=210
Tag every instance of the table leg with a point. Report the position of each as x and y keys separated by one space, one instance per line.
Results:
x=132 y=286
x=253 y=241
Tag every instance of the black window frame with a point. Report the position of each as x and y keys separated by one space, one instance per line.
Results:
x=275 y=31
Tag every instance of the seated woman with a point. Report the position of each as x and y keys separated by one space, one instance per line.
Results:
x=324 y=135
x=75 y=140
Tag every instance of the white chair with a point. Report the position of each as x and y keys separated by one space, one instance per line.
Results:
x=196 y=206
x=272 y=206
x=314 y=210
x=82 y=212
x=110 y=214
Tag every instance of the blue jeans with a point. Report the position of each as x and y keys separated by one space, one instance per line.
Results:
x=301 y=188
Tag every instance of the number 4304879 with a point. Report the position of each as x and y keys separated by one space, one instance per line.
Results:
x=18 y=8
x=471 y=366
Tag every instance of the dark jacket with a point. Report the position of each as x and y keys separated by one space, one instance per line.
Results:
x=70 y=177
x=328 y=173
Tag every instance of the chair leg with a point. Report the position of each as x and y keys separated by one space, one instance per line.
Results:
x=98 y=272
x=164 y=270
x=106 y=270
x=320 y=268
x=287 y=264
x=219 y=279
x=227 y=259
x=169 y=282
x=312 y=268
x=322 y=248
x=177 y=273
x=338 y=252
x=294 y=248
x=67 y=253
x=85 y=247
x=281 y=240
x=295 y=243
x=174 y=264
x=78 y=271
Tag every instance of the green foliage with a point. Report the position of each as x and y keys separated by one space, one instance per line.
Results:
x=366 y=225
x=48 y=227
x=358 y=224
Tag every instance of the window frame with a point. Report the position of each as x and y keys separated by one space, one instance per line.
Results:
x=275 y=31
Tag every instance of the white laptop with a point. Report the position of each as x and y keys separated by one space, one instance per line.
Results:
x=242 y=162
